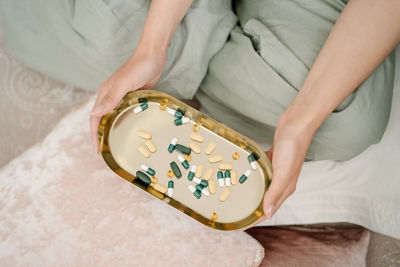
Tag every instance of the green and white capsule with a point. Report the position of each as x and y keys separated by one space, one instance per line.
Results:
x=148 y=169
x=252 y=162
x=140 y=108
x=181 y=121
x=227 y=178
x=171 y=146
x=191 y=172
x=244 y=176
x=174 y=113
x=170 y=191
x=203 y=190
x=195 y=191
x=220 y=176
x=183 y=161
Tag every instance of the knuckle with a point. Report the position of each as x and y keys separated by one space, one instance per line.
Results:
x=108 y=99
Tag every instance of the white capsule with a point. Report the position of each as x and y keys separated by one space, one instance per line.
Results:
x=247 y=173
x=185 y=120
x=227 y=181
x=140 y=108
x=205 y=192
x=196 y=180
x=253 y=165
x=192 y=188
x=221 y=182
x=181 y=159
x=170 y=192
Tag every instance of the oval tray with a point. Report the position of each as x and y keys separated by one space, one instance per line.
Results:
x=119 y=143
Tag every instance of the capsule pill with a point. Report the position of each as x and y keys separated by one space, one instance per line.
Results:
x=148 y=169
x=224 y=195
x=210 y=148
x=144 y=134
x=151 y=146
x=170 y=191
x=181 y=121
x=183 y=161
x=203 y=190
x=212 y=187
x=225 y=166
x=182 y=149
x=195 y=147
x=195 y=192
x=191 y=172
x=175 y=113
x=144 y=151
x=172 y=145
x=170 y=174
x=234 y=177
x=175 y=169
x=140 y=108
x=143 y=177
x=244 y=176
x=209 y=172
x=197 y=137
x=220 y=176
x=227 y=178
x=252 y=162
x=199 y=171
x=215 y=158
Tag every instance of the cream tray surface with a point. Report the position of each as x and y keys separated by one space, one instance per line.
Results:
x=223 y=174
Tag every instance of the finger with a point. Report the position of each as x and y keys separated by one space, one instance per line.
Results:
x=279 y=190
x=104 y=104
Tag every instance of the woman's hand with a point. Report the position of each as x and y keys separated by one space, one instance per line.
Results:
x=291 y=142
x=141 y=71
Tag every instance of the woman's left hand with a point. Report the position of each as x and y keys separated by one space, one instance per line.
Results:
x=287 y=156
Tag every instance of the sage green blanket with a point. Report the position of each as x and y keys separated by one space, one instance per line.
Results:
x=249 y=71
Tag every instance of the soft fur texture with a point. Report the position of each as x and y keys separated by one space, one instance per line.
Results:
x=60 y=205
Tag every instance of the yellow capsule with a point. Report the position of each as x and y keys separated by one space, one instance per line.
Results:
x=234 y=177
x=195 y=128
x=164 y=101
x=224 y=195
x=212 y=186
x=209 y=172
x=153 y=179
x=195 y=147
x=170 y=174
x=216 y=158
x=235 y=156
x=197 y=137
x=144 y=151
x=210 y=148
x=163 y=107
x=214 y=216
x=144 y=134
x=151 y=146
x=225 y=166
x=188 y=157
x=199 y=171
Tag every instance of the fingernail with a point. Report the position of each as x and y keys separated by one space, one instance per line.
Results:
x=270 y=211
x=97 y=110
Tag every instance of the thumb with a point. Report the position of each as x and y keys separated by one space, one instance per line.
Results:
x=108 y=102
x=279 y=190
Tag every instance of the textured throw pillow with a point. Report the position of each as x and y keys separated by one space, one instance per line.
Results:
x=60 y=205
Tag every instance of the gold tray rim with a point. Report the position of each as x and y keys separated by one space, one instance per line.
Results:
x=132 y=98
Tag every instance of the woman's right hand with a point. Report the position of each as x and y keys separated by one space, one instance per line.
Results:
x=142 y=71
